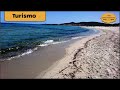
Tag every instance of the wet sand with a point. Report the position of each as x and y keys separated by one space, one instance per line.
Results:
x=31 y=65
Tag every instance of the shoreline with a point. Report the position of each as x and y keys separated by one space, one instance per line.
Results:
x=37 y=65
x=33 y=64
x=69 y=53
x=62 y=66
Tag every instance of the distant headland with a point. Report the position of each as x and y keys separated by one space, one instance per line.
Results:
x=87 y=24
x=74 y=24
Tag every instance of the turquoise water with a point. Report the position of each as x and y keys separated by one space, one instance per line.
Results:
x=18 y=38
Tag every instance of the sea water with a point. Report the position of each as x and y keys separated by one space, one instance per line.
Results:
x=21 y=39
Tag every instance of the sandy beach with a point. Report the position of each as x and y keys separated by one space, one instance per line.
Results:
x=95 y=56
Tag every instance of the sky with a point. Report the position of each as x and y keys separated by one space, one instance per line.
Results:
x=57 y=17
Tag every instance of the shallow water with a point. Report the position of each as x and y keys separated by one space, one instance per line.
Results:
x=21 y=39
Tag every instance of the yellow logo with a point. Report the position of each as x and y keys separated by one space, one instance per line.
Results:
x=25 y=16
x=108 y=18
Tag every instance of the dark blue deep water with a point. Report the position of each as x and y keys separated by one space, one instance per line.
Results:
x=17 y=38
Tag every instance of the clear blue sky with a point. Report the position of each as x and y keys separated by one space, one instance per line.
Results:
x=57 y=17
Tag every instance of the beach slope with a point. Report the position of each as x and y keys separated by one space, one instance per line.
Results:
x=95 y=56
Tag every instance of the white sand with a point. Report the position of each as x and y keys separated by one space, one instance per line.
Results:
x=64 y=69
